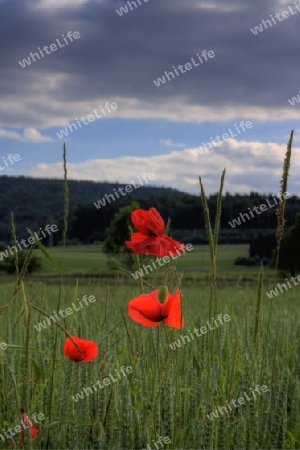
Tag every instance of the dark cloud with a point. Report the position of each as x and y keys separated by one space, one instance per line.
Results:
x=121 y=56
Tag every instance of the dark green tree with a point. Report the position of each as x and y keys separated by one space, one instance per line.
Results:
x=118 y=232
x=9 y=265
x=290 y=250
x=263 y=245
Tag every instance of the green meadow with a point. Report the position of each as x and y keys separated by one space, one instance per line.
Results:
x=85 y=260
x=178 y=379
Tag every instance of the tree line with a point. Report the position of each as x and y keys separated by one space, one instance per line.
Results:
x=36 y=202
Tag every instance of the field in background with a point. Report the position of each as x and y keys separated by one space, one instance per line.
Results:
x=89 y=260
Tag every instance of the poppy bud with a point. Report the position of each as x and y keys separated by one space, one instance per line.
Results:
x=98 y=431
x=103 y=366
x=163 y=294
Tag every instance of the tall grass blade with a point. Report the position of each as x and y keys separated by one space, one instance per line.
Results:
x=43 y=249
x=282 y=200
x=218 y=213
x=66 y=197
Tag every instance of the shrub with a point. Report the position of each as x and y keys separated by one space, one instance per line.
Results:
x=9 y=265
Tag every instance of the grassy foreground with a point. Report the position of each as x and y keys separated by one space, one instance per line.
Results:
x=170 y=392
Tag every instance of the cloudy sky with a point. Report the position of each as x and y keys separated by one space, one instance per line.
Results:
x=114 y=59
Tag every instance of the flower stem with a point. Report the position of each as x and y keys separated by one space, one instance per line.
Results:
x=138 y=265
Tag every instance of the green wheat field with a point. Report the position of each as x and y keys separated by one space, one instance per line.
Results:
x=169 y=392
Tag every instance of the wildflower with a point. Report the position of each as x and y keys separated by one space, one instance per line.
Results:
x=149 y=312
x=26 y=421
x=150 y=240
x=89 y=350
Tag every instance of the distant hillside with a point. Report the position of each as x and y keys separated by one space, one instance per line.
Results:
x=36 y=202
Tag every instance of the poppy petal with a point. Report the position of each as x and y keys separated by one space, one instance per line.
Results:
x=144 y=245
x=89 y=350
x=146 y=309
x=26 y=421
x=34 y=431
x=158 y=246
x=136 y=244
x=147 y=222
x=170 y=247
x=172 y=311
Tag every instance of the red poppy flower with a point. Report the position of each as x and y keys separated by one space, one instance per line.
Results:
x=149 y=312
x=89 y=350
x=34 y=431
x=26 y=421
x=150 y=239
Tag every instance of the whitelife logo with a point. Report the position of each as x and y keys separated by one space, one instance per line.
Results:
x=3 y=345
x=30 y=240
x=23 y=425
x=241 y=400
x=292 y=101
x=164 y=260
x=188 y=66
x=219 y=139
x=106 y=382
x=263 y=207
x=159 y=443
x=203 y=330
x=273 y=293
x=90 y=118
x=64 y=313
x=11 y=158
x=128 y=188
x=267 y=23
x=53 y=47
x=124 y=9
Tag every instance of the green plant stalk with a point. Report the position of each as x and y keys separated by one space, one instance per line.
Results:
x=66 y=198
x=258 y=306
x=53 y=364
x=213 y=294
x=216 y=233
x=14 y=239
x=282 y=200
x=213 y=244
x=105 y=318
x=44 y=250
x=26 y=388
x=209 y=233
x=218 y=213
x=66 y=216
x=56 y=323
x=138 y=265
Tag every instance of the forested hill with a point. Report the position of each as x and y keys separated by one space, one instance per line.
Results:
x=36 y=202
